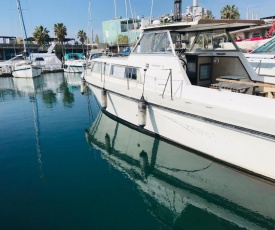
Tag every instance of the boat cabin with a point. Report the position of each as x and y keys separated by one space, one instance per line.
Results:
x=202 y=55
x=208 y=55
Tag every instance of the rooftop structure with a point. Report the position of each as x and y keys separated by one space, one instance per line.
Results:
x=120 y=26
x=130 y=27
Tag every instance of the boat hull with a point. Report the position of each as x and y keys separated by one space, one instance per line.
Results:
x=74 y=69
x=263 y=66
x=237 y=147
x=27 y=71
x=74 y=66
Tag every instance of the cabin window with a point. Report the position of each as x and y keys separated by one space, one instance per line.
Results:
x=180 y=41
x=205 y=70
x=96 y=67
x=99 y=67
x=217 y=40
x=39 y=59
x=18 y=58
x=131 y=73
x=154 y=43
x=117 y=71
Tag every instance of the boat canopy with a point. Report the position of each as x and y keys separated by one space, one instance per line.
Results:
x=186 y=40
x=74 y=56
x=218 y=26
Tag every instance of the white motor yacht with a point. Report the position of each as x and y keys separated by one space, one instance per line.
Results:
x=74 y=63
x=182 y=84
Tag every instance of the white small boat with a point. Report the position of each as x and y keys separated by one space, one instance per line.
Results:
x=262 y=59
x=6 y=67
x=74 y=63
x=48 y=62
x=180 y=83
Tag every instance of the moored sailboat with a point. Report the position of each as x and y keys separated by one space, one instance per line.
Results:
x=25 y=68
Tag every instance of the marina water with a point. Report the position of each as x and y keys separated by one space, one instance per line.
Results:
x=65 y=164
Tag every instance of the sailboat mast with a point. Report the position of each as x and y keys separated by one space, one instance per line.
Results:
x=90 y=27
x=22 y=24
x=152 y=4
x=115 y=7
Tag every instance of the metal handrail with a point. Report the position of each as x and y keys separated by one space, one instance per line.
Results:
x=171 y=80
x=259 y=65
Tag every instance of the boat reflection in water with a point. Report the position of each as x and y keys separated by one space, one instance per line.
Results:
x=182 y=189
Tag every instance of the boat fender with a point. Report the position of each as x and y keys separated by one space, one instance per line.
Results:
x=142 y=112
x=104 y=98
x=108 y=143
x=82 y=86
x=144 y=163
x=82 y=77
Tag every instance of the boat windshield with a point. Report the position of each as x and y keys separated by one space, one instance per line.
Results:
x=215 y=40
x=268 y=47
x=154 y=42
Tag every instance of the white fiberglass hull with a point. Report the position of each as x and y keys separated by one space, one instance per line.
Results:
x=27 y=71
x=262 y=65
x=239 y=148
x=74 y=67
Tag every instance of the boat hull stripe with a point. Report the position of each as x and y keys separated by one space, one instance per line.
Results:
x=252 y=132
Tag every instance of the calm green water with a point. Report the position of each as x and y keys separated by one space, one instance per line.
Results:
x=66 y=165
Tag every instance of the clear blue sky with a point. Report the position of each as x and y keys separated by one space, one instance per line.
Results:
x=74 y=13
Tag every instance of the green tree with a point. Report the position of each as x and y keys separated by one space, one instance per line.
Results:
x=60 y=32
x=41 y=35
x=230 y=12
x=122 y=38
x=97 y=39
x=209 y=16
x=82 y=37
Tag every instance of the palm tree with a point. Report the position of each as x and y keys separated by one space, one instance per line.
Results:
x=209 y=16
x=230 y=12
x=41 y=35
x=82 y=37
x=60 y=32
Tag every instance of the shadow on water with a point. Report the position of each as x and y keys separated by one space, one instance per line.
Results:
x=182 y=189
